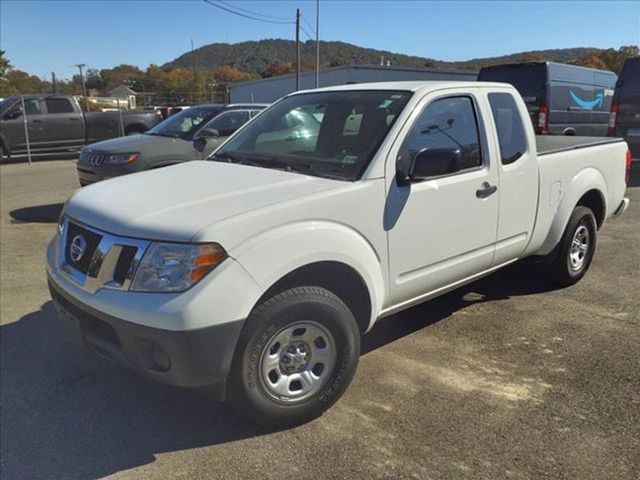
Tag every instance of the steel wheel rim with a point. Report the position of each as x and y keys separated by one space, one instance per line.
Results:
x=579 y=248
x=297 y=361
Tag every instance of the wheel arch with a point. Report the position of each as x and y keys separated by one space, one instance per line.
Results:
x=324 y=254
x=337 y=277
x=587 y=188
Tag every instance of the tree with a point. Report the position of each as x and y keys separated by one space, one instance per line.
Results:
x=94 y=80
x=229 y=74
x=6 y=89
x=592 y=61
x=275 y=69
x=121 y=74
x=531 y=57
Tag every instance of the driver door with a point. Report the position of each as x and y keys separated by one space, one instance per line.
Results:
x=443 y=229
x=13 y=125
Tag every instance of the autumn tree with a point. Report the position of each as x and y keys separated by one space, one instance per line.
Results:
x=592 y=61
x=229 y=74
x=531 y=57
x=276 y=69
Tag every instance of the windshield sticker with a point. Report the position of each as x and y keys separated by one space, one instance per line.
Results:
x=350 y=159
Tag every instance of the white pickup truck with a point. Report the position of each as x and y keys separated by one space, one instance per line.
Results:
x=258 y=270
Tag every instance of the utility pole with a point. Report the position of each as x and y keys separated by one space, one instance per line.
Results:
x=317 y=43
x=193 y=94
x=297 y=49
x=53 y=81
x=84 y=89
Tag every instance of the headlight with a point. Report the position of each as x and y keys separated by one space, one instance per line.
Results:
x=175 y=267
x=120 y=158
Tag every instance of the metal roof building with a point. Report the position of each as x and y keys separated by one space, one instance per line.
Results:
x=271 y=89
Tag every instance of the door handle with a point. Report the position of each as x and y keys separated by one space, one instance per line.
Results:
x=36 y=121
x=486 y=190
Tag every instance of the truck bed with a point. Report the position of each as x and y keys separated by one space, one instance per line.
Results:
x=547 y=144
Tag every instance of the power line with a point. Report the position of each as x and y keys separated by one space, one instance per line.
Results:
x=250 y=12
x=306 y=33
x=307 y=24
x=250 y=17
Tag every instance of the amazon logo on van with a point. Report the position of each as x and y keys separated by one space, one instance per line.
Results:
x=595 y=103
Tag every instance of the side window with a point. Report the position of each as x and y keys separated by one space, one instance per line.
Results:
x=446 y=124
x=511 y=133
x=229 y=122
x=59 y=105
x=32 y=106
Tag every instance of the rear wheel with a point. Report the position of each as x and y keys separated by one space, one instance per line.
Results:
x=295 y=357
x=571 y=258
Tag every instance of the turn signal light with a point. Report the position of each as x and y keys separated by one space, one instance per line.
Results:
x=209 y=256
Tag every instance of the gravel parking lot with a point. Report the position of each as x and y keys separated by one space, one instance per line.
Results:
x=505 y=378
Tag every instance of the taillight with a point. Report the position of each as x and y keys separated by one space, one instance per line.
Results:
x=543 y=119
x=613 y=115
x=627 y=175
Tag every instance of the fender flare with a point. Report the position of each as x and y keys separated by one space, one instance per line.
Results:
x=584 y=181
x=271 y=255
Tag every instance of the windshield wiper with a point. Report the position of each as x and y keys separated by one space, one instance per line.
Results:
x=255 y=160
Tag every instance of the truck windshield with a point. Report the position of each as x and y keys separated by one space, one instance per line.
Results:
x=333 y=134
x=185 y=123
x=6 y=102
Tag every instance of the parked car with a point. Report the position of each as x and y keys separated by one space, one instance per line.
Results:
x=258 y=271
x=624 y=119
x=189 y=135
x=57 y=124
x=561 y=99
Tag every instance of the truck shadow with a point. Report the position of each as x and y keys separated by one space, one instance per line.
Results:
x=522 y=278
x=67 y=413
x=49 y=213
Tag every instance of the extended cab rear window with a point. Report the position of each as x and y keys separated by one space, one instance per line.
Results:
x=58 y=105
x=508 y=121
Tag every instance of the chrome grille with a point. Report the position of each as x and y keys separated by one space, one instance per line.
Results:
x=110 y=264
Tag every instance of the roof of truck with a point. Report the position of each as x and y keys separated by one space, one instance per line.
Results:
x=411 y=86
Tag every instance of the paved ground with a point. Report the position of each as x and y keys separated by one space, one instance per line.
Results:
x=503 y=379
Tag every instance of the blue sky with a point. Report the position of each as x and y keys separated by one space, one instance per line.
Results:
x=45 y=36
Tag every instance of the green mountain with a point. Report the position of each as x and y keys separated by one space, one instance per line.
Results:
x=255 y=56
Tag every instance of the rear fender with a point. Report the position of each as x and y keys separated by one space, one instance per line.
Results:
x=584 y=181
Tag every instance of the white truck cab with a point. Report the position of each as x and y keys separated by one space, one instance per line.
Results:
x=259 y=269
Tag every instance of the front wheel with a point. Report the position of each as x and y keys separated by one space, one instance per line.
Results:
x=295 y=357
x=571 y=258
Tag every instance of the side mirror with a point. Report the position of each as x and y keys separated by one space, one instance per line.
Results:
x=209 y=133
x=12 y=115
x=434 y=162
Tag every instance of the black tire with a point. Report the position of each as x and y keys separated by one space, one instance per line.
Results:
x=561 y=270
x=248 y=389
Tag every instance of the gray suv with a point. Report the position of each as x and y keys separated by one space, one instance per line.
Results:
x=189 y=135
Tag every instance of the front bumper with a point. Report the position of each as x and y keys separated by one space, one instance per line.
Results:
x=88 y=175
x=186 y=358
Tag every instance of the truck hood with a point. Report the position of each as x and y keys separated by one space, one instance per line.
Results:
x=174 y=203
x=140 y=143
